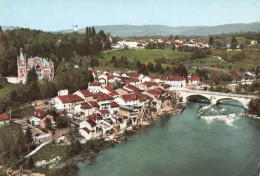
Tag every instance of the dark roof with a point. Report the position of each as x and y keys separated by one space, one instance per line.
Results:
x=4 y=117
x=91 y=122
x=95 y=84
x=128 y=97
x=70 y=98
x=86 y=106
x=94 y=117
x=148 y=84
x=94 y=104
x=86 y=93
x=114 y=104
x=40 y=113
x=86 y=129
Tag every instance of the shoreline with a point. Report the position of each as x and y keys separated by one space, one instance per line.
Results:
x=162 y=116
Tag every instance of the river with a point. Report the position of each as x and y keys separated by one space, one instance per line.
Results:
x=185 y=145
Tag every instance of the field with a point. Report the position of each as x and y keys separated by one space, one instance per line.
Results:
x=143 y=55
x=9 y=88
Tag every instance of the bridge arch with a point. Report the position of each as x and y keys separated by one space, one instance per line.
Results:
x=198 y=95
x=243 y=103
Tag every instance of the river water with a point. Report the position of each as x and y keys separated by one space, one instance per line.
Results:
x=223 y=143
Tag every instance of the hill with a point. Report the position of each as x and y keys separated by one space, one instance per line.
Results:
x=152 y=30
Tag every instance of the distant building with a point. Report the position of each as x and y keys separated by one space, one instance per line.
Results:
x=43 y=67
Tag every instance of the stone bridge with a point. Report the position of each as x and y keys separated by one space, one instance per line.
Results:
x=214 y=97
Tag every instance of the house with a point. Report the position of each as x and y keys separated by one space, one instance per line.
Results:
x=121 y=91
x=127 y=99
x=94 y=72
x=96 y=117
x=142 y=98
x=94 y=87
x=87 y=128
x=39 y=118
x=165 y=86
x=155 y=79
x=85 y=94
x=147 y=85
x=194 y=80
x=177 y=82
x=66 y=102
x=129 y=111
x=131 y=88
x=110 y=91
x=4 y=119
x=114 y=108
x=133 y=81
x=94 y=105
x=153 y=93
x=105 y=114
x=84 y=107
x=139 y=76
x=104 y=101
x=146 y=79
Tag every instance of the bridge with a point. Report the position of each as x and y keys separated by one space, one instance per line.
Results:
x=214 y=97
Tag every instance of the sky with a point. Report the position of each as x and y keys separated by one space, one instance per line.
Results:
x=53 y=15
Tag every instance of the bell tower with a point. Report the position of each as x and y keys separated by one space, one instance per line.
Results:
x=21 y=67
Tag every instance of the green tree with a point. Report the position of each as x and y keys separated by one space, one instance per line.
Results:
x=233 y=44
x=48 y=124
x=150 y=67
x=75 y=146
x=12 y=141
x=62 y=122
x=28 y=138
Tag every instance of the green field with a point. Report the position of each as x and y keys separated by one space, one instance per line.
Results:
x=9 y=88
x=143 y=55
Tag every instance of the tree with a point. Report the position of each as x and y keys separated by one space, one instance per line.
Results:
x=31 y=90
x=113 y=60
x=150 y=67
x=48 y=124
x=28 y=138
x=176 y=37
x=62 y=122
x=233 y=44
x=75 y=146
x=47 y=89
x=159 y=68
x=30 y=163
x=93 y=32
x=12 y=141
x=171 y=37
x=211 y=41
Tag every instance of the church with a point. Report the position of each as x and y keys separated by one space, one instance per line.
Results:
x=43 y=67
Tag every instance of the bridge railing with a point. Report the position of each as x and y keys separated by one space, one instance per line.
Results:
x=214 y=93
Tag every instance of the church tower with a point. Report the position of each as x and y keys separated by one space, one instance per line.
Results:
x=21 y=67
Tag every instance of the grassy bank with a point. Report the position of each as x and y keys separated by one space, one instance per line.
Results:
x=9 y=88
x=143 y=55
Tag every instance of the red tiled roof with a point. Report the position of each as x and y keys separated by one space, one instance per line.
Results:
x=94 y=104
x=154 y=77
x=3 y=117
x=94 y=117
x=86 y=106
x=136 y=75
x=86 y=129
x=91 y=122
x=194 y=78
x=131 y=80
x=131 y=87
x=141 y=96
x=86 y=93
x=104 y=111
x=103 y=97
x=111 y=90
x=94 y=84
x=154 y=92
x=93 y=71
x=114 y=104
x=165 y=85
x=149 y=84
x=70 y=98
x=40 y=113
x=128 y=97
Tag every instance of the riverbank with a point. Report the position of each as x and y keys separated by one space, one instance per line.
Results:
x=92 y=148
